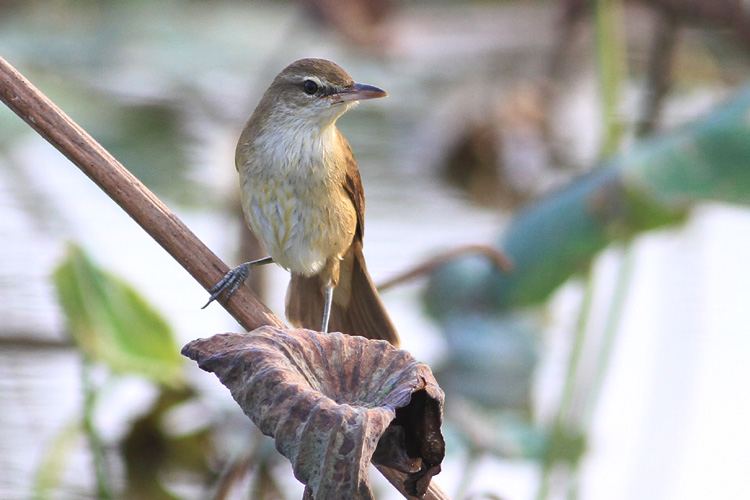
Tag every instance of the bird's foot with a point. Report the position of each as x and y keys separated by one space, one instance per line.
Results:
x=233 y=279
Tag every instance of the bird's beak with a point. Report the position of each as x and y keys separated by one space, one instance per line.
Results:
x=360 y=91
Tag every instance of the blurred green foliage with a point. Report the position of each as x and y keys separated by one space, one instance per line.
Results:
x=652 y=184
x=112 y=324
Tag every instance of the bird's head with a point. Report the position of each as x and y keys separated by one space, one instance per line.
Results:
x=315 y=92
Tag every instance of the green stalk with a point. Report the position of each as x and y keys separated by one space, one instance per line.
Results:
x=611 y=328
x=56 y=455
x=560 y=426
x=612 y=64
x=103 y=487
x=604 y=355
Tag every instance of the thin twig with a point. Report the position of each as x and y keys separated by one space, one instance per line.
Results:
x=501 y=261
x=145 y=208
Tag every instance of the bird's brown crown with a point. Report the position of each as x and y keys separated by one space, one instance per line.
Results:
x=322 y=69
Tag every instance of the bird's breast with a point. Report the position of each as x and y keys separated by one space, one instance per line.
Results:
x=298 y=209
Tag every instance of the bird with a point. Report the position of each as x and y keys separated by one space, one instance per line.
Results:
x=302 y=197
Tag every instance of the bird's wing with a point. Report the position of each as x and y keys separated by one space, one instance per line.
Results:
x=353 y=185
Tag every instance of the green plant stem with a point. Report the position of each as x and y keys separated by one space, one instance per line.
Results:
x=103 y=487
x=611 y=61
x=560 y=425
x=604 y=354
x=56 y=454
x=612 y=323
x=584 y=314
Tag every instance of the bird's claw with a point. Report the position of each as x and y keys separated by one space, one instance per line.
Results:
x=229 y=283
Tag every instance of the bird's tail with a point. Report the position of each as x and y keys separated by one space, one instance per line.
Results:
x=356 y=309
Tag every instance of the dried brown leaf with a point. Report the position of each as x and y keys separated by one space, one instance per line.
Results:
x=334 y=403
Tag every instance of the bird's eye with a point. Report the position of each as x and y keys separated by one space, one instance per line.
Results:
x=310 y=87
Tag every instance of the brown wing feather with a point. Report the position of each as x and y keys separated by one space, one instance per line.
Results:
x=353 y=185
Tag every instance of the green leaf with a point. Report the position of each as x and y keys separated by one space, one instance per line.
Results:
x=112 y=324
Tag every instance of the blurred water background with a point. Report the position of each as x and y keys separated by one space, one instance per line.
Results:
x=166 y=86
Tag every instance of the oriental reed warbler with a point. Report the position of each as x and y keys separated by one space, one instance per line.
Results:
x=302 y=196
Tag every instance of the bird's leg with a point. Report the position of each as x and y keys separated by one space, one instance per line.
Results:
x=327 y=307
x=233 y=279
x=330 y=274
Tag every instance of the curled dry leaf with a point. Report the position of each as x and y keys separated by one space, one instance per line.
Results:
x=333 y=403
